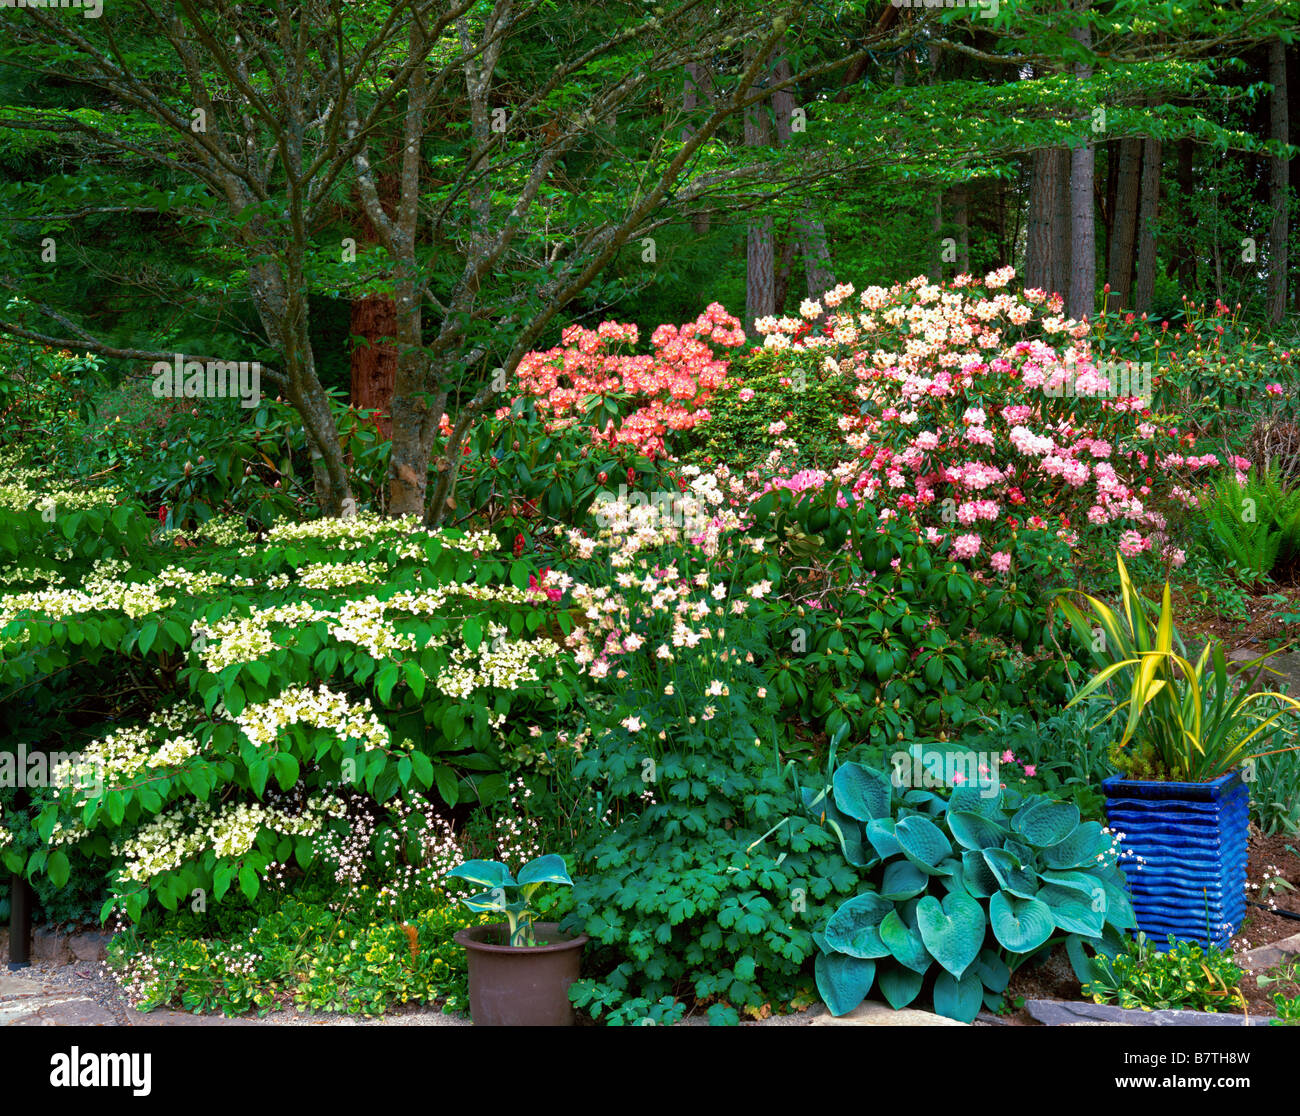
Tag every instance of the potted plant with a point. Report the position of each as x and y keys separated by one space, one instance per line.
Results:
x=519 y=970
x=1180 y=806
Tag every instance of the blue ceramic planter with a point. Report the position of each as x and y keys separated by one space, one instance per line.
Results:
x=1183 y=853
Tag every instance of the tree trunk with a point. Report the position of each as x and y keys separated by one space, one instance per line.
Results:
x=760 y=253
x=1278 y=192
x=961 y=218
x=1061 y=225
x=1182 y=260
x=1128 y=181
x=696 y=91
x=1083 y=247
x=1148 y=212
x=374 y=358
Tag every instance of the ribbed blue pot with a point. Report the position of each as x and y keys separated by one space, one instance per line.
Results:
x=1183 y=852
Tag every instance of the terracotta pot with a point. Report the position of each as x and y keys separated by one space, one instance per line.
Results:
x=521 y=986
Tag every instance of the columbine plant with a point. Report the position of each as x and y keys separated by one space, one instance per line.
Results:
x=510 y=896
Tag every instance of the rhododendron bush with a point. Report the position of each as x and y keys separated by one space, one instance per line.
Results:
x=980 y=413
x=641 y=397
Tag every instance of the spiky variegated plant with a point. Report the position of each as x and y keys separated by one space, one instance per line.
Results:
x=499 y=885
x=1191 y=715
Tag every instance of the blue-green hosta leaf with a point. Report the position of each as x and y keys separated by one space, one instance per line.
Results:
x=1072 y=912
x=926 y=801
x=545 y=869
x=855 y=928
x=1020 y=925
x=976 y=800
x=880 y=832
x=1118 y=907
x=1081 y=849
x=977 y=875
x=1076 y=880
x=1011 y=875
x=923 y=843
x=975 y=831
x=953 y=931
x=904 y=943
x=994 y=973
x=485 y=873
x=1046 y=823
x=847 y=831
x=958 y=999
x=862 y=793
x=843 y=982
x=902 y=880
x=1084 y=967
x=897 y=984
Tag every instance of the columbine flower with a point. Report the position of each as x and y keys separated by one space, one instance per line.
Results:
x=633 y=724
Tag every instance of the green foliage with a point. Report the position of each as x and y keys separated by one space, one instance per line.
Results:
x=504 y=894
x=1253 y=527
x=798 y=390
x=1288 y=1010
x=1186 y=976
x=299 y=951
x=1275 y=792
x=872 y=630
x=965 y=888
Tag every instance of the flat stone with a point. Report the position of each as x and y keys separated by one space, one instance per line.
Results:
x=1266 y=956
x=91 y=945
x=50 y=945
x=76 y=1011
x=870 y=1013
x=1068 y=1013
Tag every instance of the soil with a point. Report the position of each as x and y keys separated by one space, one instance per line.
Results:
x=1278 y=856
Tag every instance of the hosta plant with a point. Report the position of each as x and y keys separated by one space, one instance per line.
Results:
x=1190 y=715
x=509 y=895
x=958 y=890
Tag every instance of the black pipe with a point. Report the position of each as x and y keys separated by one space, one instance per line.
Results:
x=1277 y=911
x=20 y=923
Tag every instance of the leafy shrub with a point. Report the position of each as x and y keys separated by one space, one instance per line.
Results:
x=301 y=952
x=966 y=888
x=1186 y=976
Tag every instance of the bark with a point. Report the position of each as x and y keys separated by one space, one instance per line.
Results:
x=1182 y=260
x=697 y=90
x=961 y=218
x=760 y=250
x=374 y=358
x=1148 y=213
x=1083 y=249
x=1123 y=236
x=1061 y=254
x=816 y=255
x=1278 y=192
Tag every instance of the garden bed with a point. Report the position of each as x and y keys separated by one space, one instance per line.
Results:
x=1055 y=980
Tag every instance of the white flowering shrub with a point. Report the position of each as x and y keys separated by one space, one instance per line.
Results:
x=336 y=656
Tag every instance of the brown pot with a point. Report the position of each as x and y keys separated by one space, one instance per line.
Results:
x=521 y=986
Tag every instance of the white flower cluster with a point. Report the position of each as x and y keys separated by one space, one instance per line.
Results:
x=321 y=708
x=367 y=527
x=189 y=831
x=500 y=662
x=10 y=574
x=328 y=575
x=126 y=751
